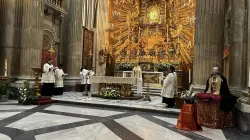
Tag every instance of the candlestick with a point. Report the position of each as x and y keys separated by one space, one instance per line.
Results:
x=189 y=76
x=6 y=67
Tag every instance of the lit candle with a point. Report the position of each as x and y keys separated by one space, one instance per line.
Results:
x=249 y=78
x=5 y=67
x=189 y=76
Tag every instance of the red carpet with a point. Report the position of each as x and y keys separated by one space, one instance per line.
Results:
x=43 y=100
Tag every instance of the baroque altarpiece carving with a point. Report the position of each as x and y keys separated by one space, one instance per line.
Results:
x=151 y=31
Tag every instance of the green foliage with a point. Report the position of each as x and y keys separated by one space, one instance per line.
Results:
x=26 y=94
x=126 y=66
x=6 y=89
x=162 y=66
x=110 y=93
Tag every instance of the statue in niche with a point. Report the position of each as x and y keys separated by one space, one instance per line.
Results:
x=162 y=52
x=124 y=52
x=141 y=51
x=133 y=53
x=152 y=52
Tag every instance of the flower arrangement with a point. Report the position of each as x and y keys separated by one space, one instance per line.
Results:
x=126 y=66
x=162 y=66
x=26 y=94
x=189 y=96
x=110 y=93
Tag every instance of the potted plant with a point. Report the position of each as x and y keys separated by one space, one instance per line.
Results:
x=5 y=91
x=110 y=93
x=26 y=94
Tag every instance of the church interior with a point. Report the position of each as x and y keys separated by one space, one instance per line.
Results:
x=124 y=69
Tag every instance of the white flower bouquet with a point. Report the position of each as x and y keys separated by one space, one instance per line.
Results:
x=26 y=94
x=189 y=96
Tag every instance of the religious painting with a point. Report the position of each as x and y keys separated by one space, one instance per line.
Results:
x=88 y=45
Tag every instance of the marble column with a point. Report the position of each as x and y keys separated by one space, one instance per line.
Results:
x=248 y=40
x=238 y=49
x=102 y=35
x=10 y=12
x=32 y=37
x=75 y=45
x=209 y=39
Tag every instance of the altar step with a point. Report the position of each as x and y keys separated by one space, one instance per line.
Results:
x=43 y=100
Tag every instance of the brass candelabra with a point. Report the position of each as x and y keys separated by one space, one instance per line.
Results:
x=37 y=72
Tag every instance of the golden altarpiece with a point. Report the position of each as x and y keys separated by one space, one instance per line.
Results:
x=150 y=32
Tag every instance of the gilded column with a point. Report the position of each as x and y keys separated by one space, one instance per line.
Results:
x=209 y=39
x=32 y=37
x=9 y=35
x=74 y=46
x=238 y=49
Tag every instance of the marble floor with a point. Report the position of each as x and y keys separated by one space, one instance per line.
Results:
x=154 y=105
x=78 y=122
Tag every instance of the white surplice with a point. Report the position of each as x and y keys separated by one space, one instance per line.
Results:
x=83 y=75
x=90 y=73
x=137 y=73
x=48 y=75
x=59 y=76
x=169 y=86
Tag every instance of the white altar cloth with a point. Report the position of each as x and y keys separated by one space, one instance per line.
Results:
x=113 y=80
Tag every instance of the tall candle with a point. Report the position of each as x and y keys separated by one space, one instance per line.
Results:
x=5 y=67
x=249 y=78
x=189 y=76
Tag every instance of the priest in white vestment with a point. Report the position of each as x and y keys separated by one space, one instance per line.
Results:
x=59 y=76
x=137 y=73
x=83 y=76
x=169 y=88
x=48 y=78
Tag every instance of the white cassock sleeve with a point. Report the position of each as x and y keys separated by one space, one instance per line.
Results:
x=168 y=80
x=46 y=68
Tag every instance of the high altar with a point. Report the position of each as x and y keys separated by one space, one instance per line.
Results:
x=151 y=32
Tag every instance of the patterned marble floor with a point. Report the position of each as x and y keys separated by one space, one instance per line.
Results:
x=72 y=122
x=155 y=104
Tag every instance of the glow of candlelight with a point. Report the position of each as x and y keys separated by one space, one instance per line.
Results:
x=5 y=67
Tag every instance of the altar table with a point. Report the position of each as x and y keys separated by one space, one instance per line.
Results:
x=147 y=76
x=122 y=83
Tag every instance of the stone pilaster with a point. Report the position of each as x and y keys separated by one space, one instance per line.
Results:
x=237 y=57
x=74 y=44
x=10 y=25
x=209 y=39
x=32 y=37
x=248 y=39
